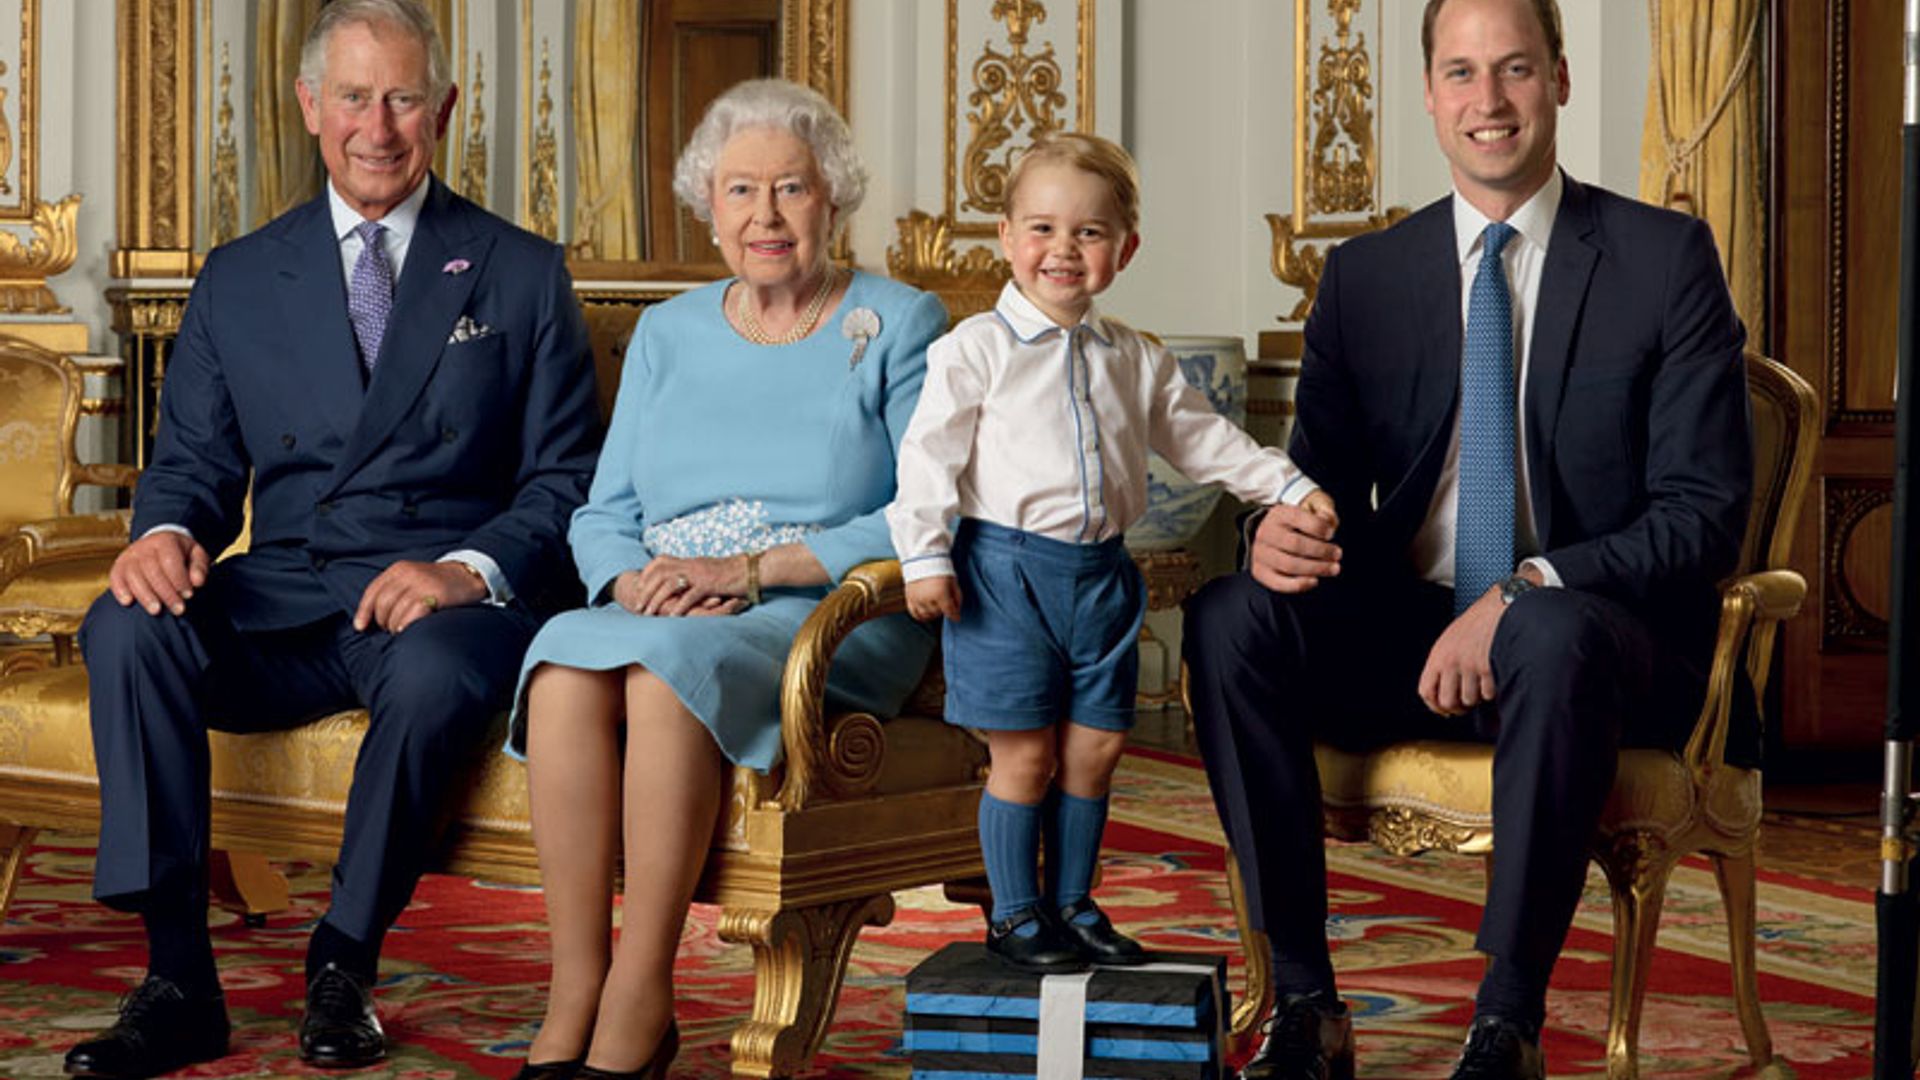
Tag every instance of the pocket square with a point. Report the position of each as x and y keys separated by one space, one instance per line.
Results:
x=466 y=329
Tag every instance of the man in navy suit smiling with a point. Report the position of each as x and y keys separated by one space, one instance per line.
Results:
x=1529 y=403
x=403 y=383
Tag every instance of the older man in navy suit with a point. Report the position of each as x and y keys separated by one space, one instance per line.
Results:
x=1529 y=403
x=404 y=383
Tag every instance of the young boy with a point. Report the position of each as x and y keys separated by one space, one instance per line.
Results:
x=1033 y=429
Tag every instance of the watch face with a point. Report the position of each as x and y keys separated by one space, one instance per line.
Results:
x=1513 y=586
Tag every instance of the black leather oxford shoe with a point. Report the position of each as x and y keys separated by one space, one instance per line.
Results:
x=1500 y=1049
x=1308 y=1037
x=160 y=1029
x=340 y=1029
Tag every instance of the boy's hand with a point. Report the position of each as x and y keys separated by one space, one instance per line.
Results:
x=929 y=598
x=1320 y=505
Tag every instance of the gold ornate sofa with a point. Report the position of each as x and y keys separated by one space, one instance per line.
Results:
x=51 y=560
x=801 y=860
x=1430 y=795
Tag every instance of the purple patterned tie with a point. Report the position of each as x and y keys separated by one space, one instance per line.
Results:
x=370 y=293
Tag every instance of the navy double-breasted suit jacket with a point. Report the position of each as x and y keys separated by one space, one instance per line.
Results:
x=1635 y=405
x=486 y=443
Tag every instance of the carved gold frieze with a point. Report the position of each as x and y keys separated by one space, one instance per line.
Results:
x=1017 y=95
x=155 y=205
x=1408 y=832
x=26 y=265
x=543 y=198
x=1849 y=621
x=1336 y=151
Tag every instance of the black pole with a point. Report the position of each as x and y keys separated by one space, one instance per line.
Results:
x=1897 y=907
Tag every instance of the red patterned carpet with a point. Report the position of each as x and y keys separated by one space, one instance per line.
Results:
x=461 y=975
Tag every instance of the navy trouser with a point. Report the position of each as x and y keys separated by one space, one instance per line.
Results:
x=1577 y=678
x=158 y=683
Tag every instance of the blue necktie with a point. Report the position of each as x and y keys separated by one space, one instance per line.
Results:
x=1483 y=536
x=370 y=292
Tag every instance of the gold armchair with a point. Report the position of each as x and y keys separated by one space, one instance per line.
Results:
x=801 y=859
x=52 y=561
x=1425 y=795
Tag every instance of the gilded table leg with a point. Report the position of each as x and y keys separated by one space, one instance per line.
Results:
x=1735 y=874
x=249 y=882
x=14 y=842
x=1257 y=998
x=799 y=961
x=1637 y=865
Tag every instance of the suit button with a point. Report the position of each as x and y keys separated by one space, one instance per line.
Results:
x=324 y=509
x=447 y=435
x=410 y=510
x=287 y=441
x=319 y=562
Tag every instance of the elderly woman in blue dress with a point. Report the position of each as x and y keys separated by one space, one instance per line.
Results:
x=750 y=455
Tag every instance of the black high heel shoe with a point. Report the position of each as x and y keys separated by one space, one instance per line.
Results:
x=551 y=1070
x=655 y=1067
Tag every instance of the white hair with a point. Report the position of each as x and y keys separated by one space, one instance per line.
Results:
x=785 y=106
x=408 y=15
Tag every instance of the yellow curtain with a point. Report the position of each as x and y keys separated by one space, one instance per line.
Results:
x=1701 y=146
x=606 y=123
x=287 y=169
x=442 y=12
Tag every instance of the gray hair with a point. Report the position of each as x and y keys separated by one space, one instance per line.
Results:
x=408 y=15
x=787 y=106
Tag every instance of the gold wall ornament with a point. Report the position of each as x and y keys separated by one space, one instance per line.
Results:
x=49 y=252
x=155 y=113
x=6 y=138
x=473 y=157
x=20 y=138
x=1336 y=158
x=224 y=224
x=968 y=283
x=1013 y=93
x=543 y=198
x=1017 y=95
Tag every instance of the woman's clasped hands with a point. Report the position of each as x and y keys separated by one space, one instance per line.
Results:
x=693 y=586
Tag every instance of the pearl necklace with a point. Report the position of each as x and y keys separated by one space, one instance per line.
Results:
x=749 y=325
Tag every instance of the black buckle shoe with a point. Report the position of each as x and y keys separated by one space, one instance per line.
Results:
x=1500 y=1049
x=654 y=1068
x=159 y=1030
x=551 y=1070
x=340 y=1029
x=1308 y=1037
x=1048 y=949
x=1098 y=941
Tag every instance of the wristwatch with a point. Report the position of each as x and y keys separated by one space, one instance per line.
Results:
x=1513 y=585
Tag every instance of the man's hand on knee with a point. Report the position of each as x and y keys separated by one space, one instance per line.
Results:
x=159 y=570
x=1293 y=549
x=1459 y=671
x=409 y=591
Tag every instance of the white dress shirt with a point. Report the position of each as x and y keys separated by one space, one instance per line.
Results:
x=1523 y=257
x=1044 y=428
x=401 y=222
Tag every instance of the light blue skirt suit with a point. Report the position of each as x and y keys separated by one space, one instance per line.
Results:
x=719 y=446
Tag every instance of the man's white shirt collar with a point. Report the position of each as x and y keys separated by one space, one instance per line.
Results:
x=1030 y=324
x=1533 y=221
x=400 y=221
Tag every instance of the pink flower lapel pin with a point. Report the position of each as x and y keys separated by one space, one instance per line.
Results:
x=456 y=266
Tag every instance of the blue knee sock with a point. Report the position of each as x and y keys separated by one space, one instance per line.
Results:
x=1073 y=847
x=1010 y=845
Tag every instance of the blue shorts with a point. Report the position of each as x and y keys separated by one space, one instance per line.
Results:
x=1048 y=631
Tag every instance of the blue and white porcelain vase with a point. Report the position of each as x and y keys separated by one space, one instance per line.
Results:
x=1176 y=506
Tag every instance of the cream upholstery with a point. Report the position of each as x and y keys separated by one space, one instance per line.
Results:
x=801 y=860
x=1419 y=796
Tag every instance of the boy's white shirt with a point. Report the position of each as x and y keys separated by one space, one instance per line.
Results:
x=1043 y=428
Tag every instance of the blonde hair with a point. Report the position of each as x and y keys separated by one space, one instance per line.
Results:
x=1089 y=154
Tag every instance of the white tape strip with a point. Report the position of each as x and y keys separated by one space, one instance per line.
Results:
x=1063 y=1027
